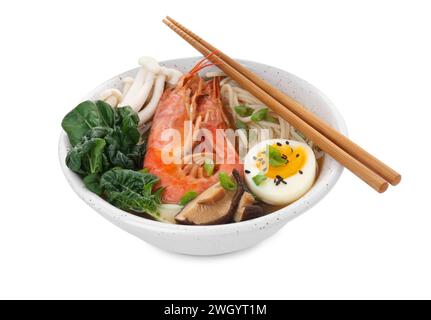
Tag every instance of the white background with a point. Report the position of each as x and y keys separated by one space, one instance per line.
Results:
x=372 y=59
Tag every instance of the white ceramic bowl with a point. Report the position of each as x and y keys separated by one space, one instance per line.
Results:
x=219 y=239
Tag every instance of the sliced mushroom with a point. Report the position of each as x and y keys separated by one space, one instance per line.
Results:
x=246 y=200
x=212 y=197
x=247 y=210
x=213 y=206
x=218 y=206
x=210 y=207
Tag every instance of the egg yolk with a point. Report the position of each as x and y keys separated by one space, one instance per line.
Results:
x=294 y=158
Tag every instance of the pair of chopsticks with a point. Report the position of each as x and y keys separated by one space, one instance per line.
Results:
x=364 y=165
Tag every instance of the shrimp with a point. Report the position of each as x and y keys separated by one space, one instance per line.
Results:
x=197 y=103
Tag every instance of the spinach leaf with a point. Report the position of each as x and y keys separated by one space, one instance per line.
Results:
x=122 y=151
x=92 y=182
x=86 y=157
x=132 y=190
x=106 y=113
x=117 y=127
x=128 y=122
x=136 y=153
x=80 y=120
x=98 y=132
x=127 y=117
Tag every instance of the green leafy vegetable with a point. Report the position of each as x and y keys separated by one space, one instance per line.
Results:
x=128 y=121
x=275 y=157
x=122 y=150
x=243 y=110
x=87 y=157
x=92 y=182
x=187 y=197
x=105 y=151
x=106 y=113
x=259 y=115
x=259 y=178
x=209 y=167
x=98 y=132
x=132 y=190
x=102 y=138
x=226 y=181
x=85 y=116
x=270 y=118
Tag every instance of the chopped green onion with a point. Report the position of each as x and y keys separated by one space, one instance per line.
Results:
x=187 y=197
x=275 y=157
x=240 y=125
x=209 y=167
x=259 y=115
x=259 y=178
x=270 y=118
x=144 y=170
x=243 y=110
x=226 y=182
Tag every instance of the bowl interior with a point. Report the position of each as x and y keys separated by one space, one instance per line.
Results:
x=295 y=87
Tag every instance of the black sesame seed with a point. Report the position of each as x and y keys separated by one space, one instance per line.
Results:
x=284 y=156
x=300 y=172
x=264 y=169
x=263 y=162
x=254 y=158
x=279 y=144
x=287 y=142
x=297 y=155
x=247 y=171
x=277 y=183
x=284 y=181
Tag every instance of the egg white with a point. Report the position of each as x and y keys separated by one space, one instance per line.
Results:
x=282 y=194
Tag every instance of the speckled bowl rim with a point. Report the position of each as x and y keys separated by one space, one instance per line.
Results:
x=314 y=195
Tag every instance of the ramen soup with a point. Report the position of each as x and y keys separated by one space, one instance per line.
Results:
x=188 y=149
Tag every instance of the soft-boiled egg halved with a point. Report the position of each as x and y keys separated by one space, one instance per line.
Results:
x=280 y=171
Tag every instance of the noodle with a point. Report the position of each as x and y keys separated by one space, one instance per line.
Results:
x=233 y=95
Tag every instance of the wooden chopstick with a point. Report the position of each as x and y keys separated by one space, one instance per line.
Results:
x=342 y=141
x=328 y=146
